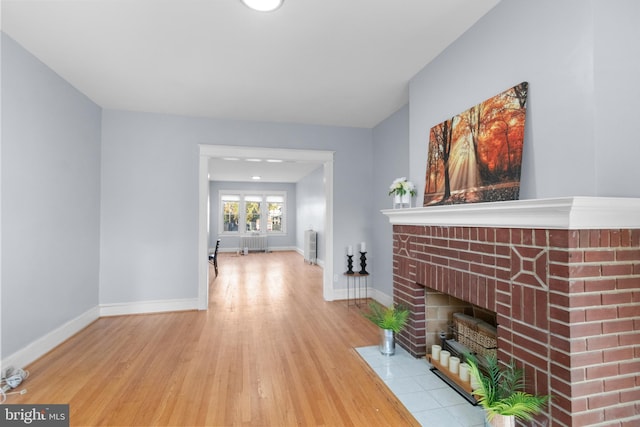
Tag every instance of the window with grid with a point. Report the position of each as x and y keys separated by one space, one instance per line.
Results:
x=251 y=212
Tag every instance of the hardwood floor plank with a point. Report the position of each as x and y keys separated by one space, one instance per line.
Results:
x=268 y=352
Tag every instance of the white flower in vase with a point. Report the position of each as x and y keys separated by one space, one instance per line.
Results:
x=402 y=190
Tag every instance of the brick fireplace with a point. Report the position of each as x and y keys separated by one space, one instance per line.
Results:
x=562 y=276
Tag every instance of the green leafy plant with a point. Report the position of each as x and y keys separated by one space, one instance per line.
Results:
x=392 y=317
x=501 y=391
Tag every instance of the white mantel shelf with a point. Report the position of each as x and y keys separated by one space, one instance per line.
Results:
x=572 y=213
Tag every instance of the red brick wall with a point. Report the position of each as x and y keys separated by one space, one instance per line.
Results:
x=567 y=304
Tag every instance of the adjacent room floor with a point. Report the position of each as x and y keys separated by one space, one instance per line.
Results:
x=427 y=397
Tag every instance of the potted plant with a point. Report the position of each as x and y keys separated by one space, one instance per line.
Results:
x=402 y=191
x=390 y=320
x=501 y=393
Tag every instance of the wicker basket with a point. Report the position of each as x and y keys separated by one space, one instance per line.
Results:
x=466 y=329
x=487 y=339
x=477 y=335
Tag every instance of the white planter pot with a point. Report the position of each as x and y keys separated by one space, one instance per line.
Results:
x=501 y=421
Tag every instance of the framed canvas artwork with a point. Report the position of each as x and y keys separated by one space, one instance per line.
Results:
x=476 y=156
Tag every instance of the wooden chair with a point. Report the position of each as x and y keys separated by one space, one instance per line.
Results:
x=213 y=258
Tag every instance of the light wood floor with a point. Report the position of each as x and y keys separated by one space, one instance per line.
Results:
x=269 y=352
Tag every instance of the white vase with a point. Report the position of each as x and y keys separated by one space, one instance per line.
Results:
x=501 y=421
x=402 y=201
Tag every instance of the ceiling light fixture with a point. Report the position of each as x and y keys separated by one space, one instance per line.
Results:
x=263 y=5
x=274 y=161
x=256 y=177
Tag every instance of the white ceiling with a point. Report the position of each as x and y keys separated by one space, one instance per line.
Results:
x=326 y=62
x=241 y=169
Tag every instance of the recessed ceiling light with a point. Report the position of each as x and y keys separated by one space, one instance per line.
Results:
x=274 y=161
x=230 y=158
x=256 y=177
x=253 y=160
x=263 y=5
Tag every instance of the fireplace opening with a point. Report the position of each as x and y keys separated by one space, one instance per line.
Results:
x=458 y=329
x=458 y=320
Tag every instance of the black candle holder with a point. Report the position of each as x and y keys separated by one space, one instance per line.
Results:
x=349 y=264
x=363 y=263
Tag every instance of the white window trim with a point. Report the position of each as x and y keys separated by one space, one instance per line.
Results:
x=242 y=212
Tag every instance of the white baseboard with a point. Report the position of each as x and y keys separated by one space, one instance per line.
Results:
x=381 y=297
x=269 y=249
x=144 y=307
x=43 y=345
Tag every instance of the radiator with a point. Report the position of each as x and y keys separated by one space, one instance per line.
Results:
x=254 y=243
x=310 y=246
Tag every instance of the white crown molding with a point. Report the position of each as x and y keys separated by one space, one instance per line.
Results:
x=43 y=345
x=572 y=213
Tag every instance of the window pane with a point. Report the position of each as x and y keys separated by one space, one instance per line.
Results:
x=230 y=215
x=252 y=215
x=275 y=216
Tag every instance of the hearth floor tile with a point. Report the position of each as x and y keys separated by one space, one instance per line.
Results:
x=427 y=397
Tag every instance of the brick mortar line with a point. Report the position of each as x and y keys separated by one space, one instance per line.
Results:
x=545 y=331
x=581 y=353
x=595 y=278
x=608 y=423
x=587 y=307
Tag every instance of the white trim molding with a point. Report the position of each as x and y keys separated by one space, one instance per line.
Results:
x=145 y=307
x=43 y=345
x=573 y=213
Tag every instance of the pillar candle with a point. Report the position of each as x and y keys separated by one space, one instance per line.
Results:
x=464 y=372
x=363 y=248
x=444 y=357
x=474 y=382
x=435 y=352
x=349 y=250
x=454 y=363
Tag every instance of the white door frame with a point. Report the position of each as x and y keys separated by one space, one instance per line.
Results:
x=207 y=151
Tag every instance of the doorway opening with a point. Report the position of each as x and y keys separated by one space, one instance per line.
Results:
x=324 y=158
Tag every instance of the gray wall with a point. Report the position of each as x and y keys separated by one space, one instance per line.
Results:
x=580 y=59
x=50 y=200
x=230 y=242
x=311 y=211
x=391 y=161
x=149 y=206
x=616 y=69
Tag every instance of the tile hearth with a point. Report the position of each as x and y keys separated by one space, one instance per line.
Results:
x=427 y=397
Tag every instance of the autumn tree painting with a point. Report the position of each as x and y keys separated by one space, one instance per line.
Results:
x=476 y=156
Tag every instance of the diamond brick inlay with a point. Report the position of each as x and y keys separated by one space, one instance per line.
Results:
x=529 y=266
x=403 y=245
